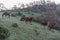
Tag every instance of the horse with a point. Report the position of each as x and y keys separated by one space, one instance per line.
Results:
x=6 y=14
x=29 y=19
x=26 y=19
x=51 y=25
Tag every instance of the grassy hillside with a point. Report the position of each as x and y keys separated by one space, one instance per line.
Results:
x=26 y=31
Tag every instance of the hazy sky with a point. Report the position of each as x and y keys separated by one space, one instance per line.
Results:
x=10 y=3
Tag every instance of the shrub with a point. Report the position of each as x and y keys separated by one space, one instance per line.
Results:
x=58 y=12
x=14 y=15
x=14 y=25
x=57 y=26
x=4 y=33
x=19 y=14
x=39 y=19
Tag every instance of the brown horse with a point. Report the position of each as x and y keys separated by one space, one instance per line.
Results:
x=6 y=14
x=51 y=25
x=26 y=19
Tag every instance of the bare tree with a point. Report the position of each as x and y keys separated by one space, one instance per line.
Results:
x=31 y=4
x=22 y=5
x=1 y=4
x=43 y=2
x=19 y=5
x=27 y=5
x=14 y=7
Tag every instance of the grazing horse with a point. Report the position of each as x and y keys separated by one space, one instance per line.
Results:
x=26 y=19
x=6 y=14
x=51 y=25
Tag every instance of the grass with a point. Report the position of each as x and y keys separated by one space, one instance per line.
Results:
x=26 y=31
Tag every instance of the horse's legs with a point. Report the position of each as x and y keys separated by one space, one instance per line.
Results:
x=30 y=21
x=26 y=21
x=2 y=15
x=8 y=16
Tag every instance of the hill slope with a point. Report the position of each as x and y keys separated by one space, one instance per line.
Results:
x=26 y=31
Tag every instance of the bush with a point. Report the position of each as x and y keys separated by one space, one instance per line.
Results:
x=14 y=25
x=14 y=15
x=4 y=33
x=57 y=26
x=39 y=19
x=19 y=14
x=58 y=12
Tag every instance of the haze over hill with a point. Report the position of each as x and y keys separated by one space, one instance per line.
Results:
x=9 y=3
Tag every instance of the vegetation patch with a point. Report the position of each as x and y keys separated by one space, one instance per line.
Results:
x=4 y=33
x=14 y=25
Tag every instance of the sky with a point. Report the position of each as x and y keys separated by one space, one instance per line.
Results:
x=9 y=3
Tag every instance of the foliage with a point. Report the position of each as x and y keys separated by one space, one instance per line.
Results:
x=58 y=12
x=14 y=25
x=40 y=18
x=14 y=15
x=19 y=13
x=26 y=31
x=4 y=33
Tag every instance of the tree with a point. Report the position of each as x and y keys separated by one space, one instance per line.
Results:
x=31 y=4
x=22 y=5
x=1 y=4
x=14 y=7
x=27 y=5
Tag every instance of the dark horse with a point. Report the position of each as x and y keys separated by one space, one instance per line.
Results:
x=26 y=19
x=51 y=25
x=6 y=14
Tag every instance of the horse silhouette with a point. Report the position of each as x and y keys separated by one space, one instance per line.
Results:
x=6 y=14
x=26 y=19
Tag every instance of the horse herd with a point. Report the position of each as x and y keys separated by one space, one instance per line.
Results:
x=30 y=19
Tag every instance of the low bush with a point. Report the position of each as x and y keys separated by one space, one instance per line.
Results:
x=19 y=14
x=4 y=33
x=14 y=15
x=14 y=25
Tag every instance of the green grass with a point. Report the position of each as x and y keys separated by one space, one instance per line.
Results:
x=26 y=31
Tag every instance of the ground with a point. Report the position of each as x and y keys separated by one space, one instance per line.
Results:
x=26 y=31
